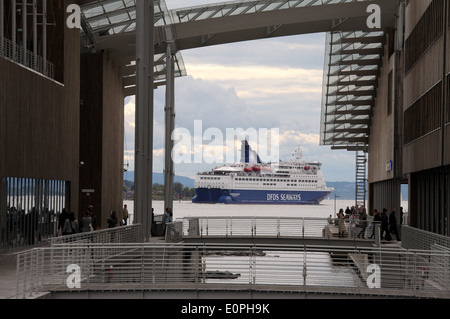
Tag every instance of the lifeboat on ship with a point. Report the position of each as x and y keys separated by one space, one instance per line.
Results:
x=256 y=168
x=248 y=169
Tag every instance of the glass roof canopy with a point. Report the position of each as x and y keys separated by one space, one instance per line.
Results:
x=116 y=17
x=244 y=7
x=349 y=88
x=350 y=75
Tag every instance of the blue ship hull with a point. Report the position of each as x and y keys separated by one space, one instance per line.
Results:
x=236 y=196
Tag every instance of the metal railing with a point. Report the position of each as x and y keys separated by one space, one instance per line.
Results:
x=303 y=269
x=414 y=238
x=18 y=54
x=122 y=234
x=260 y=227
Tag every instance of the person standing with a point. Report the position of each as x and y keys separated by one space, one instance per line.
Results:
x=385 y=225
x=112 y=220
x=348 y=211
x=94 y=218
x=362 y=222
x=86 y=222
x=167 y=218
x=70 y=225
x=376 y=220
x=393 y=224
x=62 y=219
x=125 y=214
x=341 y=225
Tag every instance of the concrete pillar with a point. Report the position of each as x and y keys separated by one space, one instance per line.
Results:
x=144 y=115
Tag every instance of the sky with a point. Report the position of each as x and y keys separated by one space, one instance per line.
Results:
x=273 y=84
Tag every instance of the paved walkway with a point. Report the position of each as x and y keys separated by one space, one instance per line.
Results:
x=8 y=268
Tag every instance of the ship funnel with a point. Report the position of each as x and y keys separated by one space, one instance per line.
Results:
x=248 y=155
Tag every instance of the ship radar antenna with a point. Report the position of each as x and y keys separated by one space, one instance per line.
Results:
x=298 y=154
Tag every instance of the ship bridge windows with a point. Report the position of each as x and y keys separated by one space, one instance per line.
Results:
x=210 y=178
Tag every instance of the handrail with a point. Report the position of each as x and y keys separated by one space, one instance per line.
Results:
x=123 y=234
x=18 y=54
x=414 y=238
x=146 y=266
x=264 y=227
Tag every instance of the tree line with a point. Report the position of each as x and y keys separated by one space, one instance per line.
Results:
x=180 y=192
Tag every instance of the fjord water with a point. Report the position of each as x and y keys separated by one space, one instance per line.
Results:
x=188 y=209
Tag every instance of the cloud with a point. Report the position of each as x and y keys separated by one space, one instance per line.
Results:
x=261 y=81
x=295 y=137
x=271 y=83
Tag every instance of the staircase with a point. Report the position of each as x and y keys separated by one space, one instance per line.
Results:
x=361 y=180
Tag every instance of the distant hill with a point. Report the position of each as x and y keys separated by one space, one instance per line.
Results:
x=344 y=190
x=158 y=178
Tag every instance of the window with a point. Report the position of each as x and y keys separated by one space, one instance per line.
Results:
x=34 y=205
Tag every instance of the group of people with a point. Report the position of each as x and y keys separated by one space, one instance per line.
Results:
x=388 y=223
x=112 y=220
x=68 y=224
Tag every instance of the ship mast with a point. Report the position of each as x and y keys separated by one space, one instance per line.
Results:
x=298 y=154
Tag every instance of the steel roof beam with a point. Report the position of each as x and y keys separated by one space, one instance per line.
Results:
x=351 y=148
x=358 y=83
x=364 y=51
x=355 y=93
x=374 y=72
x=299 y=20
x=362 y=62
x=353 y=103
x=350 y=131
x=352 y=121
x=362 y=40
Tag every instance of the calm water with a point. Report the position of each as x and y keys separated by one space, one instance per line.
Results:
x=188 y=209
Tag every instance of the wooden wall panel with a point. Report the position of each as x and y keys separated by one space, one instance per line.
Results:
x=381 y=139
x=414 y=12
x=425 y=152
x=39 y=120
x=113 y=137
x=91 y=126
x=102 y=135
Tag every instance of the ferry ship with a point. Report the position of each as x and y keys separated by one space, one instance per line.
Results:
x=252 y=182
